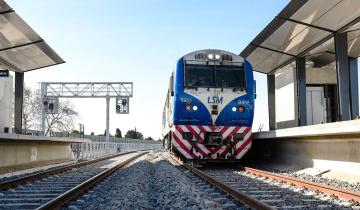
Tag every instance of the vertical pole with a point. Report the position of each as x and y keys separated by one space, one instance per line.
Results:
x=107 y=118
x=19 y=99
x=301 y=90
x=354 y=87
x=342 y=74
x=42 y=108
x=271 y=101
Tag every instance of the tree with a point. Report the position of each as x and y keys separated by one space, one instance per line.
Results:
x=31 y=109
x=61 y=121
x=118 y=133
x=149 y=138
x=133 y=134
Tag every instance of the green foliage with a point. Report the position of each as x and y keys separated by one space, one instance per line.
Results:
x=118 y=133
x=75 y=131
x=133 y=134
x=149 y=138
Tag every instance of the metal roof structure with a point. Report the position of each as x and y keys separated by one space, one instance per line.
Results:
x=305 y=28
x=21 y=48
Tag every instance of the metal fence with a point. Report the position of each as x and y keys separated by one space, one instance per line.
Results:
x=112 y=139
x=96 y=149
x=98 y=146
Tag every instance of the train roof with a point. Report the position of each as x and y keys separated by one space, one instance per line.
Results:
x=213 y=54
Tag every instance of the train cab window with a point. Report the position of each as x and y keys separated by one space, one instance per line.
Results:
x=199 y=76
x=230 y=77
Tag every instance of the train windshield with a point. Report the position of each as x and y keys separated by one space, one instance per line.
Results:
x=199 y=76
x=215 y=76
x=230 y=77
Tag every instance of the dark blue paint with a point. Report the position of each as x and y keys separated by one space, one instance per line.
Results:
x=202 y=116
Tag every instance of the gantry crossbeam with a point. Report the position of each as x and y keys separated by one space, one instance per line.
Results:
x=87 y=89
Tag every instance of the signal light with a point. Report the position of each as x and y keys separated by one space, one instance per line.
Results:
x=187 y=107
x=51 y=106
x=233 y=109
x=241 y=109
x=195 y=108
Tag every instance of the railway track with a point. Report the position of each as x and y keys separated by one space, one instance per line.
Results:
x=257 y=189
x=53 y=188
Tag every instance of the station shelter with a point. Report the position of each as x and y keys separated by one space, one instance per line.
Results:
x=21 y=50
x=309 y=52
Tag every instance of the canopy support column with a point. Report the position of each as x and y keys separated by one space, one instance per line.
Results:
x=271 y=101
x=343 y=76
x=354 y=87
x=19 y=99
x=301 y=90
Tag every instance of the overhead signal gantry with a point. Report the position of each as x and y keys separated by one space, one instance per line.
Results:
x=52 y=91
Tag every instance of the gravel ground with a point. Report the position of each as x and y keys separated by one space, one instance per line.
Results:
x=149 y=183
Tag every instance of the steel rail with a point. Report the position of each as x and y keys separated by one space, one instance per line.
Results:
x=326 y=189
x=234 y=193
x=32 y=177
x=73 y=193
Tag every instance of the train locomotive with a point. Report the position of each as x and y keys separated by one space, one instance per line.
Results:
x=209 y=107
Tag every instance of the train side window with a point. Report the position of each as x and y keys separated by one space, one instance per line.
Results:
x=254 y=89
x=172 y=84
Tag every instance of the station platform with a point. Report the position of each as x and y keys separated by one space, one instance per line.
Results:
x=338 y=130
x=25 y=150
x=331 y=147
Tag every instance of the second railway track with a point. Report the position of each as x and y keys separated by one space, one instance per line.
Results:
x=262 y=190
x=55 y=187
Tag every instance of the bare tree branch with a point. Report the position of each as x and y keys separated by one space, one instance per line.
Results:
x=62 y=121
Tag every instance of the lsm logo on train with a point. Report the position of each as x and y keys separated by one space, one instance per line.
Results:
x=215 y=100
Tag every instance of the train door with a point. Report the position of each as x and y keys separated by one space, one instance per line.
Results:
x=315 y=105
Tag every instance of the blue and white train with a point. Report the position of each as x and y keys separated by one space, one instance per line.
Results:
x=209 y=107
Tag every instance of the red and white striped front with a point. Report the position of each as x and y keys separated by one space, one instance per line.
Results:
x=228 y=149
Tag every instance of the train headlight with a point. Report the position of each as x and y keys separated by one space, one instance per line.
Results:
x=187 y=107
x=217 y=57
x=195 y=108
x=210 y=56
x=241 y=108
x=233 y=109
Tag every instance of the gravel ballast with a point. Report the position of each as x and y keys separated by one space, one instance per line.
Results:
x=149 y=183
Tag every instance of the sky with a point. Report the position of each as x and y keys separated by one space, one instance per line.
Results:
x=139 y=41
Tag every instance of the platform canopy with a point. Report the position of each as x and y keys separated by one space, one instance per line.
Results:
x=21 y=48
x=305 y=28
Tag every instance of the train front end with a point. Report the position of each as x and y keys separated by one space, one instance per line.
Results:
x=214 y=94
